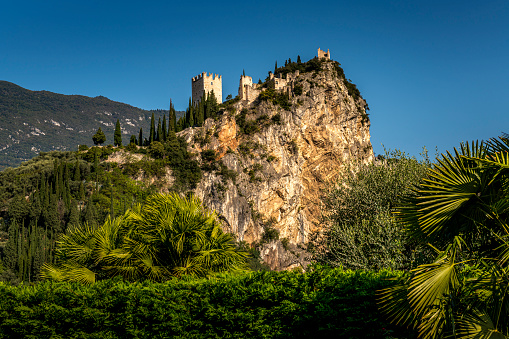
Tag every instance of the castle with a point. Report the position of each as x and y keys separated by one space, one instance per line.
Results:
x=322 y=54
x=248 y=91
x=204 y=83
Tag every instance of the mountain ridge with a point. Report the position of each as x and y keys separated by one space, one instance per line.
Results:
x=42 y=121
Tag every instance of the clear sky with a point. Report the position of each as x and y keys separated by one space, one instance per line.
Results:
x=434 y=73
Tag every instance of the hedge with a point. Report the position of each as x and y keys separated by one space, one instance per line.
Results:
x=320 y=303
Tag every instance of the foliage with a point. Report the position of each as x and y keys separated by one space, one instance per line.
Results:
x=99 y=137
x=462 y=210
x=360 y=231
x=276 y=97
x=313 y=65
x=245 y=125
x=117 y=137
x=168 y=236
x=321 y=303
x=156 y=150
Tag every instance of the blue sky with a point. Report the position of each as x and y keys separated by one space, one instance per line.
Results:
x=434 y=73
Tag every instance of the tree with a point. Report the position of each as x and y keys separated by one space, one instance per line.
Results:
x=172 y=121
x=118 y=135
x=99 y=137
x=164 y=130
x=140 y=137
x=168 y=236
x=462 y=211
x=156 y=150
x=159 y=135
x=360 y=231
x=190 y=118
x=152 y=130
x=298 y=59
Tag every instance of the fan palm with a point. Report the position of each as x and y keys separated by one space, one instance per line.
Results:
x=463 y=208
x=168 y=236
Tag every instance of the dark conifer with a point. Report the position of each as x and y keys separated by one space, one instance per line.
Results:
x=117 y=138
x=140 y=137
x=77 y=172
x=164 y=130
x=152 y=129
x=159 y=135
x=172 y=122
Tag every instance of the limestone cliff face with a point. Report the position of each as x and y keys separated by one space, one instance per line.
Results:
x=282 y=158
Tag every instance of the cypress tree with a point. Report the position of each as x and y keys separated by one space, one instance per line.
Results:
x=81 y=193
x=275 y=68
x=180 y=124
x=190 y=115
x=159 y=136
x=77 y=172
x=140 y=137
x=298 y=59
x=152 y=129
x=10 y=256
x=164 y=130
x=172 y=122
x=74 y=215
x=91 y=214
x=117 y=137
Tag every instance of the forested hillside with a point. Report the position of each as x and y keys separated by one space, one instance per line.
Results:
x=42 y=121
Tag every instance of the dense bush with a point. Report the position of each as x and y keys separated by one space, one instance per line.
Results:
x=360 y=231
x=322 y=303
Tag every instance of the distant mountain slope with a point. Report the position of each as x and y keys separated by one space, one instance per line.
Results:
x=35 y=121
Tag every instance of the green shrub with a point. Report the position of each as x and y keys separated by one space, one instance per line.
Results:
x=322 y=303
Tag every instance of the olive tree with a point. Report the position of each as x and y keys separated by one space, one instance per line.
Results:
x=360 y=231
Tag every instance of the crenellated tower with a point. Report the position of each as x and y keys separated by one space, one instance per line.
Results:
x=207 y=83
x=323 y=54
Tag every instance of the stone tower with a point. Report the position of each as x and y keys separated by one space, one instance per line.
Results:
x=323 y=54
x=206 y=83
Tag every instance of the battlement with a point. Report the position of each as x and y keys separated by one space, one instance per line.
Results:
x=206 y=83
x=207 y=77
x=323 y=54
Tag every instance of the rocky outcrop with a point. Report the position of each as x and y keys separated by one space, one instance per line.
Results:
x=272 y=163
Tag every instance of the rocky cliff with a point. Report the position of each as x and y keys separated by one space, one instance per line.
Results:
x=272 y=158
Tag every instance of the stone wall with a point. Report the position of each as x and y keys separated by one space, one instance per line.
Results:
x=323 y=54
x=206 y=83
x=247 y=90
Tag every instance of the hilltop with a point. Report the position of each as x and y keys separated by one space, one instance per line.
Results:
x=259 y=160
x=42 y=121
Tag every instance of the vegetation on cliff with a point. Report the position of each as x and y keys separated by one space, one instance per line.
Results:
x=359 y=230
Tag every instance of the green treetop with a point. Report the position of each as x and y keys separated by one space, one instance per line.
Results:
x=99 y=137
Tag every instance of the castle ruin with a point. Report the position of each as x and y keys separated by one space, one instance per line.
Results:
x=323 y=54
x=206 y=83
x=248 y=91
